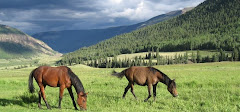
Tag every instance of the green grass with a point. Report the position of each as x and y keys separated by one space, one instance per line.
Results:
x=201 y=87
x=41 y=59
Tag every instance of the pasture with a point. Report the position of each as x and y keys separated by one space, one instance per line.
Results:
x=201 y=87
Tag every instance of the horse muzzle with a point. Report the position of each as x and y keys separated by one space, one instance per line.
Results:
x=82 y=109
x=175 y=95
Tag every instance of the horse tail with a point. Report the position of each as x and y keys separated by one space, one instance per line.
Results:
x=30 y=82
x=119 y=75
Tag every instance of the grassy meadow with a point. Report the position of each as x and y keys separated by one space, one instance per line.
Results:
x=201 y=87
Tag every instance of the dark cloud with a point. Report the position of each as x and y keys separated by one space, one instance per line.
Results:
x=33 y=16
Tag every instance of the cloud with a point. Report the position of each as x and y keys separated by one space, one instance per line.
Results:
x=24 y=26
x=33 y=16
x=140 y=10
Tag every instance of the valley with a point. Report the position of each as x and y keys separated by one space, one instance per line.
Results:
x=198 y=47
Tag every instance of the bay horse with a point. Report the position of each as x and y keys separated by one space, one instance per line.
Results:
x=149 y=76
x=62 y=77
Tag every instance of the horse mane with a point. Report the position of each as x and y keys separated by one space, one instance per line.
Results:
x=166 y=80
x=75 y=81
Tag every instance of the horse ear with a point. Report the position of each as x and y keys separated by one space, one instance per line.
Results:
x=86 y=93
x=173 y=80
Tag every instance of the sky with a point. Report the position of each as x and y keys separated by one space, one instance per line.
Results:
x=34 y=16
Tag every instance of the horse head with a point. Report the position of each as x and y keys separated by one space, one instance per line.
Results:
x=82 y=100
x=172 y=88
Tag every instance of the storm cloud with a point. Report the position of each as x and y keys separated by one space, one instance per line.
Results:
x=32 y=16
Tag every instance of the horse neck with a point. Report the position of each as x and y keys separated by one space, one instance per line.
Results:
x=77 y=84
x=164 y=78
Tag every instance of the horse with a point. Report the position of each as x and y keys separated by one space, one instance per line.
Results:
x=149 y=76
x=62 y=77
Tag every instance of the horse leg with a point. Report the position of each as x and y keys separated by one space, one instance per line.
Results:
x=154 y=91
x=71 y=94
x=133 y=91
x=149 y=92
x=43 y=94
x=61 y=95
x=39 y=99
x=126 y=89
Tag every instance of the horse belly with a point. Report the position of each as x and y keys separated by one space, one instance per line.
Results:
x=140 y=80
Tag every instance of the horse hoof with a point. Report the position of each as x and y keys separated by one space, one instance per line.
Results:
x=145 y=100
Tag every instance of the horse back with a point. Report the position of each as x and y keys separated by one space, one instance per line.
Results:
x=52 y=76
x=141 y=75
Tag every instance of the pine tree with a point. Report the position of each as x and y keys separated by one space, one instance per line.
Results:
x=158 y=57
x=175 y=59
x=114 y=61
x=186 y=58
x=194 y=60
x=120 y=63
x=110 y=64
x=215 y=58
x=107 y=63
x=235 y=55
x=199 y=57
x=150 y=61
x=95 y=63
x=222 y=55
x=207 y=59
x=128 y=62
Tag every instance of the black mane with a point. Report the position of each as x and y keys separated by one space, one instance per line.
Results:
x=166 y=80
x=75 y=81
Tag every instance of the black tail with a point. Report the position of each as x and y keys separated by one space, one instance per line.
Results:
x=30 y=82
x=119 y=75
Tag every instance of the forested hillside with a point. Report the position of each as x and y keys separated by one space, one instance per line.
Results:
x=213 y=25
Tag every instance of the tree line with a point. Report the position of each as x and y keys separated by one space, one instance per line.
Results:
x=154 y=58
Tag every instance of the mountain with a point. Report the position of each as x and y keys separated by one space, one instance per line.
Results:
x=71 y=40
x=214 y=24
x=16 y=44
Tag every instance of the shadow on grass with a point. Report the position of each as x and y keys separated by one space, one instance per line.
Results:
x=26 y=100
x=7 y=102
x=22 y=100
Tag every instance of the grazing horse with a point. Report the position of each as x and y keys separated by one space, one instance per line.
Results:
x=62 y=77
x=146 y=76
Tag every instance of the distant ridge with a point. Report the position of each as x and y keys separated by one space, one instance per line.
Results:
x=71 y=40
x=16 y=44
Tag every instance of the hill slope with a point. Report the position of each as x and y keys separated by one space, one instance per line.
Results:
x=16 y=44
x=71 y=40
x=214 y=24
